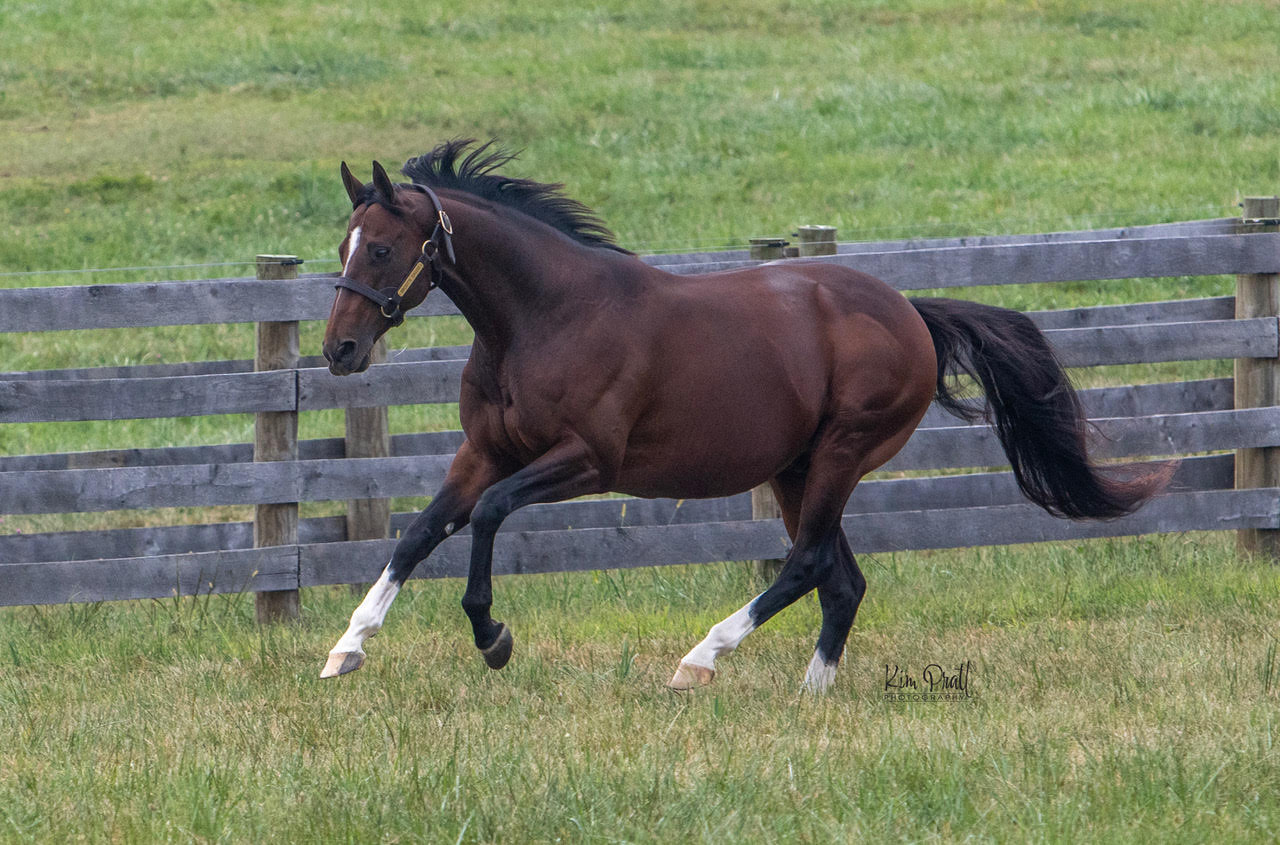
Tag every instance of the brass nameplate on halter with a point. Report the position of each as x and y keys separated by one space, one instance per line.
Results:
x=409 y=279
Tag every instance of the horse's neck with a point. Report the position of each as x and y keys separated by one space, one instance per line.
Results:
x=508 y=281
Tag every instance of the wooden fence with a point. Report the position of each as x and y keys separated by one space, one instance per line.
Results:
x=1206 y=420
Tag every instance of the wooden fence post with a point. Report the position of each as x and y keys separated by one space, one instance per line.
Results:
x=767 y=249
x=1257 y=380
x=276 y=439
x=764 y=506
x=368 y=436
x=816 y=240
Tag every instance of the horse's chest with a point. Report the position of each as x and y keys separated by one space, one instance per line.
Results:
x=510 y=421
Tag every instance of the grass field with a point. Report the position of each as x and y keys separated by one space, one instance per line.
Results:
x=1124 y=690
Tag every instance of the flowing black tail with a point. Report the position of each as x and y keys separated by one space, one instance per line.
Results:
x=1033 y=408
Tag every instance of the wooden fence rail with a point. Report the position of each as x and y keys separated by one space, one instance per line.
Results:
x=1184 y=418
x=308 y=298
x=429 y=382
x=337 y=479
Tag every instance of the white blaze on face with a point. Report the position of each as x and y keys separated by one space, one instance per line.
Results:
x=351 y=250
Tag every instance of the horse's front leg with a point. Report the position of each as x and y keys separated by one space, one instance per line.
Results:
x=469 y=474
x=561 y=473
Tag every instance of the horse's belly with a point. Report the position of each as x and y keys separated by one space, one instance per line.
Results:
x=705 y=457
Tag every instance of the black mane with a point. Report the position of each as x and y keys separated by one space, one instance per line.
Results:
x=463 y=166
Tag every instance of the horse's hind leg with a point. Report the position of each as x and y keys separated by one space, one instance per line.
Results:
x=808 y=566
x=819 y=551
x=820 y=559
x=697 y=668
x=839 y=597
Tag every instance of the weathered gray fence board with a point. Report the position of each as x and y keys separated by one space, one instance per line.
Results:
x=425 y=443
x=618 y=548
x=1072 y=261
x=202 y=573
x=163 y=456
x=985 y=489
x=238 y=300
x=417 y=383
x=163 y=304
x=1018 y=264
x=206 y=368
x=1170 y=434
x=1176 y=434
x=308 y=298
x=204 y=485
x=1025 y=523
x=1202 y=473
x=144 y=398
x=609 y=548
x=147 y=541
x=1129 y=401
x=176 y=539
x=1220 y=226
x=1137 y=400
x=185 y=368
x=428 y=382
x=1217 y=226
x=1148 y=344
x=1171 y=311
x=202 y=302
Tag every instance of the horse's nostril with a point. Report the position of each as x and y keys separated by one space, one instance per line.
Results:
x=345 y=350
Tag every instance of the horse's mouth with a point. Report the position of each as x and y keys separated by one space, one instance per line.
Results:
x=339 y=368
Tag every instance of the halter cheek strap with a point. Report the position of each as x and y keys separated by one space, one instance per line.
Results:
x=440 y=243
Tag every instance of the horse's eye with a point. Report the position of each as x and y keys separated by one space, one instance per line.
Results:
x=381 y=252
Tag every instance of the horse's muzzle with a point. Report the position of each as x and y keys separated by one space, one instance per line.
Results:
x=344 y=358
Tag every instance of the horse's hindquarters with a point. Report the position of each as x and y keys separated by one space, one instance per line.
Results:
x=743 y=386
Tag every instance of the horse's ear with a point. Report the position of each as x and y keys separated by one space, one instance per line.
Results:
x=352 y=184
x=383 y=183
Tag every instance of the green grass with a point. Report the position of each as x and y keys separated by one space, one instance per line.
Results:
x=1127 y=690
x=1124 y=690
x=194 y=133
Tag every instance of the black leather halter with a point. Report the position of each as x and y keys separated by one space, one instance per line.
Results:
x=440 y=242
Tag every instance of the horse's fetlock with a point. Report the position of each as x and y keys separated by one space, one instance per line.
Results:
x=473 y=606
x=366 y=622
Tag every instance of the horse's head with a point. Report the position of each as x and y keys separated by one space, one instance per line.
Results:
x=389 y=259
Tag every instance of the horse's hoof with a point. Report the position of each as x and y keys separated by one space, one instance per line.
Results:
x=497 y=655
x=691 y=676
x=342 y=662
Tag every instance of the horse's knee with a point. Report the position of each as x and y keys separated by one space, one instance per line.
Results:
x=409 y=551
x=489 y=513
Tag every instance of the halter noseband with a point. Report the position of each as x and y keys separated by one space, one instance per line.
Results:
x=441 y=240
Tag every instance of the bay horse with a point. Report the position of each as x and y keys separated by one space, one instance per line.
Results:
x=593 y=372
